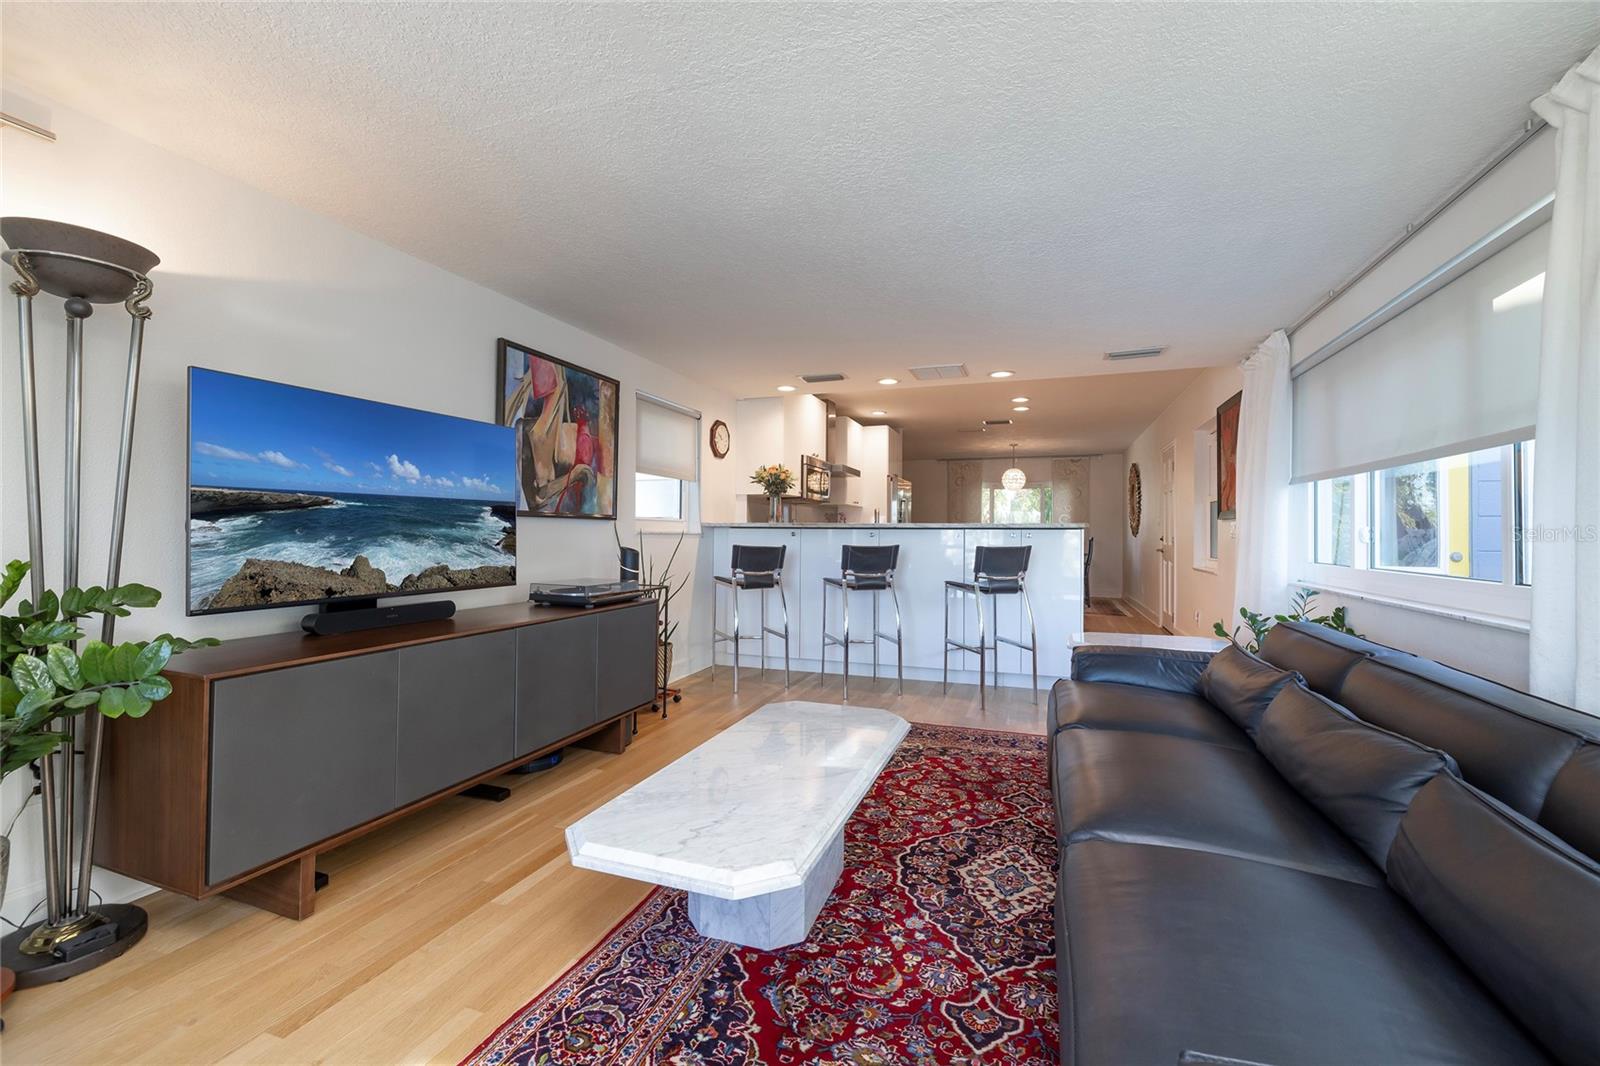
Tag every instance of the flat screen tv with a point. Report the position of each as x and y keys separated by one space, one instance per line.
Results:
x=304 y=497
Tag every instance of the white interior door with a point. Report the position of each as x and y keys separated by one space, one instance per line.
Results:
x=1167 y=548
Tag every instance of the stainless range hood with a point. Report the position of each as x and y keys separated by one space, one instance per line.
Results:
x=835 y=469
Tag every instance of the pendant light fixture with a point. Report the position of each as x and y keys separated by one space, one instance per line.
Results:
x=1013 y=478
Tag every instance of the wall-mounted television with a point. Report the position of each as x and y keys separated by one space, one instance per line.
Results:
x=304 y=497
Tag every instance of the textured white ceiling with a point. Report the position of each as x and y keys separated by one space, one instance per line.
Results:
x=1065 y=416
x=748 y=192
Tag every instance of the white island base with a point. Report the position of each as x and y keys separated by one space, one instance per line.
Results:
x=751 y=823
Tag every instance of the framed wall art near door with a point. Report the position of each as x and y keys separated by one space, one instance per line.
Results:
x=566 y=421
x=1228 y=457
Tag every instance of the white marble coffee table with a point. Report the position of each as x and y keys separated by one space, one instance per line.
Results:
x=750 y=823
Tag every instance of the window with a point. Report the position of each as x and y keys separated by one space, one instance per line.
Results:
x=666 y=478
x=1030 y=505
x=1454 y=517
x=657 y=497
x=1524 y=512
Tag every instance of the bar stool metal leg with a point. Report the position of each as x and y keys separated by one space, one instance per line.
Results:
x=783 y=601
x=875 y=640
x=734 y=589
x=983 y=700
x=761 y=640
x=899 y=646
x=1033 y=642
x=947 y=640
x=845 y=644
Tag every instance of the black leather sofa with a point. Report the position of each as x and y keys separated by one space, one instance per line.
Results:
x=1334 y=853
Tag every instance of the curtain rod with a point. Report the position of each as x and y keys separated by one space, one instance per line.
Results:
x=1529 y=130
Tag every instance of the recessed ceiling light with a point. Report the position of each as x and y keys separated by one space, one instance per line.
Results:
x=888 y=381
x=878 y=414
x=1019 y=399
x=785 y=388
x=1019 y=408
x=1001 y=373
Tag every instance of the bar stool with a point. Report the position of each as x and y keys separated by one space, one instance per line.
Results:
x=756 y=567
x=996 y=572
x=865 y=568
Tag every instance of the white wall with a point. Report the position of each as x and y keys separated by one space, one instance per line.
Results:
x=1203 y=597
x=1520 y=181
x=255 y=285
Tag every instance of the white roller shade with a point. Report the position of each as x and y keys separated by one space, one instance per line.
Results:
x=669 y=440
x=1457 y=372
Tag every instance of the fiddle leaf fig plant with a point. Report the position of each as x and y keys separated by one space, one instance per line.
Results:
x=43 y=679
x=1302 y=608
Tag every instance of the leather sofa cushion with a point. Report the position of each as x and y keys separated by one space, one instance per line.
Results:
x=1323 y=656
x=1170 y=950
x=1094 y=705
x=1519 y=907
x=1362 y=777
x=1241 y=686
x=1511 y=756
x=1164 y=668
x=1170 y=791
x=1572 y=809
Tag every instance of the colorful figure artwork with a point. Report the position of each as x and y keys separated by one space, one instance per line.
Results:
x=566 y=430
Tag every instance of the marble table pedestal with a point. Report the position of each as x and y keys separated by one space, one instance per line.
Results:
x=776 y=919
x=751 y=823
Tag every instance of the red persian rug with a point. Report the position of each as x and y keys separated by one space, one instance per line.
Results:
x=937 y=946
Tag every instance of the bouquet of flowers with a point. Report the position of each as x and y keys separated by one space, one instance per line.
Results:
x=774 y=480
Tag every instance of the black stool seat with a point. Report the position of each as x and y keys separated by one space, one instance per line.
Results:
x=989 y=586
x=765 y=580
x=864 y=582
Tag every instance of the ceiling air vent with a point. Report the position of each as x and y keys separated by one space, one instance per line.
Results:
x=1136 y=353
x=997 y=421
x=938 y=373
x=820 y=379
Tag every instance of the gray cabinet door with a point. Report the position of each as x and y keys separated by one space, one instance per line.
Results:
x=555 y=681
x=627 y=659
x=458 y=707
x=298 y=755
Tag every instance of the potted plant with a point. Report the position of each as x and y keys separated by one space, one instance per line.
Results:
x=672 y=585
x=1301 y=609
x=775 y=480
x=45 y=677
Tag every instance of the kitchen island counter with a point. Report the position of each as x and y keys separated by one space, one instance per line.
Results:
x=930 y=555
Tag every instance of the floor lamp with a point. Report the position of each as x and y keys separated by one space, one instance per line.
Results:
x=83 y=267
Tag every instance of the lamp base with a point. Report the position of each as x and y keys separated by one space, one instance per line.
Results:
x=130 y=922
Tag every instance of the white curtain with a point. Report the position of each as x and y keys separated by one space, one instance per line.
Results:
x=1265 y=457
x=1564 y=646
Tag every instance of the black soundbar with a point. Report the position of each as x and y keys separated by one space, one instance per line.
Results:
x=328 y=623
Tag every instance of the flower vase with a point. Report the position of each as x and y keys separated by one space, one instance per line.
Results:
x=774 y=508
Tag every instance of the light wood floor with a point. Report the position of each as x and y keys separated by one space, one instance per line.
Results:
x=432 y=931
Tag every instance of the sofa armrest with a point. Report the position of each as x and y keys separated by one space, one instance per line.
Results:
x=1205 y=1058
x=1165 y=668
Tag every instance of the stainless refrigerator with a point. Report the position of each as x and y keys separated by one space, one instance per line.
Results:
x=899 y=499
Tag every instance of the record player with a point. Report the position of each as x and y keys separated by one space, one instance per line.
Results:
x=583 y=592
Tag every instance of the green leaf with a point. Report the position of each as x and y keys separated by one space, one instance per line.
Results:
x=136 y=595
x=30 y=673
x=154 y=689
x=123 y=657
x=152 y=660
x=82 y=699
x=62 y=663
x=11 y=580
x=113 y=702
x=136 y=705
x=10 y=696
x=95 y=660
x=45 y=610
x=38 y=634
x=22 y=750
x=32 y=701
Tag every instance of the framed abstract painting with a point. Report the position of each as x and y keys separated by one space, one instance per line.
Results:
x=1228 y=457
x=566 y=431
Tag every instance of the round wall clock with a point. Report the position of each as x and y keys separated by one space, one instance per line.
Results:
x=720 y=439
x=1135 y=499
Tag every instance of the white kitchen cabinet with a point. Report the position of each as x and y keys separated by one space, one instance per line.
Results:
x=758 y=434
x=874 y=467
x=805 y=429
